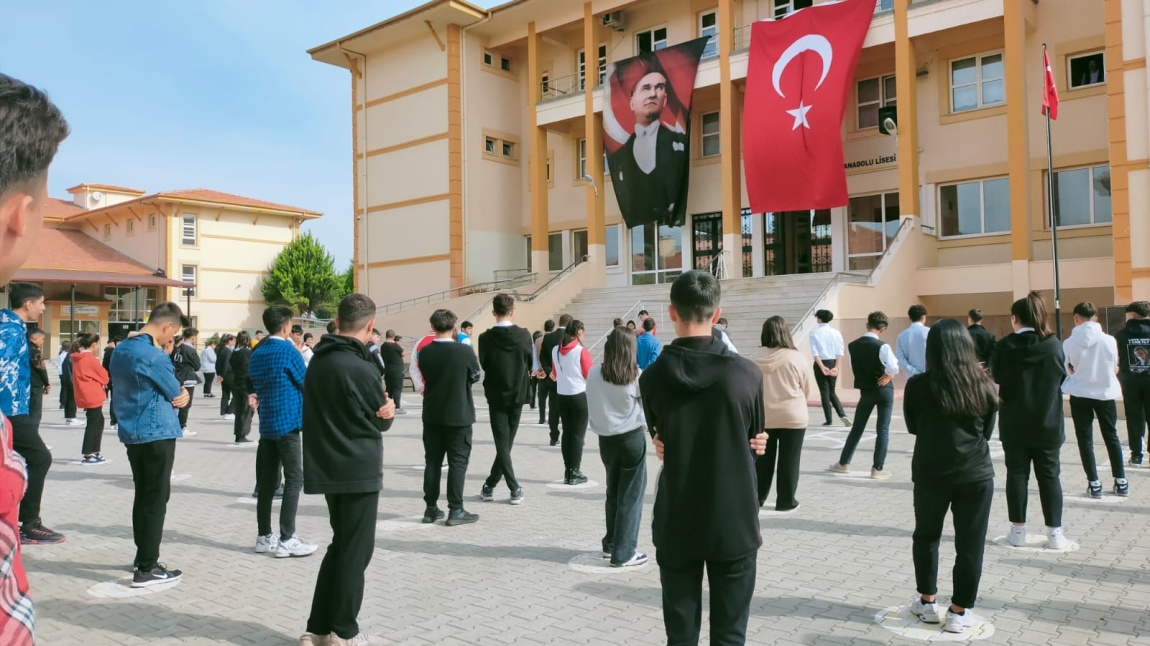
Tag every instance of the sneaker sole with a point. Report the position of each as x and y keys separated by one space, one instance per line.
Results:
x=456 y=523
x=44 y=542
x=483 y=498
x=148 y=584
x=924 y=619
x=295 y=555
x=516 y=501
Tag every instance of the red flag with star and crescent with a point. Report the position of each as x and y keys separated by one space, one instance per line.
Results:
x=1049 y=91
x=799 y=76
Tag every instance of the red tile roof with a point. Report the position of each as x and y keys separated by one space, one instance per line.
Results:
x=77 y=251
x=208 y=195
x=106 y=187
x=56 y=208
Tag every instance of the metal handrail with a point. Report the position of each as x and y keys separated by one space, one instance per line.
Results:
x=638 y=304
x=506 y=274
x=560 y=87
x=547 y=285
x=466 y=290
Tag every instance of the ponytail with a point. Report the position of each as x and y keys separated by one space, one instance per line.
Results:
x=1031 y=312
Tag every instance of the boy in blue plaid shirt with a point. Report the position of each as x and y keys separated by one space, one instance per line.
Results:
x=275 y=377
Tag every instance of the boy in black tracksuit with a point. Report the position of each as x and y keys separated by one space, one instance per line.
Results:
x=551 y=340
x=1134 y=375
x=449 y=370
x=505 y=354
x=703 y=404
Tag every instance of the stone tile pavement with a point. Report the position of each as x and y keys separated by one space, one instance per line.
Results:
x=824 y=572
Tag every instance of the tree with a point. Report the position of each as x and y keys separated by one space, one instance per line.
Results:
x=348 y=278
x=303 y=277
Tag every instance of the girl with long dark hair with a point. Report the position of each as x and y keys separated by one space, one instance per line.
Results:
x=89 y=382
x=1029 y=367
x=949 y=409
x=241 y=357
x=616 y=416
x=570 y=365
x=786 y=388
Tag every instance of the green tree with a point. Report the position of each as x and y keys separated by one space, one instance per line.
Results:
x=303 y=277
x=348 y=278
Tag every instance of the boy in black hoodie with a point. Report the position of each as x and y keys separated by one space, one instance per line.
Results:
x=703 y=404
x=344 y=411
x=505 y=354
x=1134 y=374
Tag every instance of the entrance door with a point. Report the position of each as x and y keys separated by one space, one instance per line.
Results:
x=796 y=242
x=707 y=239
x=656 y=253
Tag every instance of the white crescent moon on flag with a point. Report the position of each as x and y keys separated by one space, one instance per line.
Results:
x=809 y=43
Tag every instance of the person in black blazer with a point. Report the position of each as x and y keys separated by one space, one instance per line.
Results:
x=238 y=362
x=1029 y=367
x=227 y=346
x=107 y=364
x=984 y=339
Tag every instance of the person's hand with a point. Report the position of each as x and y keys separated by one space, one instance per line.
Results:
x=658 y=447
x=183 y=399
x=253 y=402
x=387 y=411
x=833 y=373
x=759 y=443
x=826 y=371
x=884 y=380
x=220 y=379
x=1070 y=368
x=47 y=389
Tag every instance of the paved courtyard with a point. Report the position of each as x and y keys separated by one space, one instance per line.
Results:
x=825 y=572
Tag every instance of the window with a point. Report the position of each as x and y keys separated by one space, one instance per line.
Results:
x=508 y=150
x=555 y=252
x=709 y=28
x=527 y=239
x=975 y=208
x=188 y=276
x=491 y=59
x=711 y=146
x=872 y=95
x=883 y=5
x=582 y=64
x=488 y=59
x=784 y=7
x=578 y=245
x=152 y=221
x=976 y=82
x=612 y=250
x=189 y=229
x=651 y=40
x=1086 y=70
x=489 y=145
x=1082 y=196
x=107 y=231
x=129 y=304
x=132 y=226
x=581 y=167
x=545 y=85
x=872 y=222
x=505 y=64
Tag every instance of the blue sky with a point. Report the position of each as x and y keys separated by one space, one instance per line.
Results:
x=207 y=94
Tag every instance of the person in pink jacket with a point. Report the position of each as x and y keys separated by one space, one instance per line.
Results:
x=786 y=388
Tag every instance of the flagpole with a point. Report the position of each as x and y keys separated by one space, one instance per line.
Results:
x=1052 y=216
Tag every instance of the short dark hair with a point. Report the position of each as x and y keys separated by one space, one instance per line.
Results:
x=243 y=339
x=466 y=325
x=616 y=322
x=297 y=329
x=503 y=304
x=443 y=321
x=549 y=326
x=775 y=334
x=1139 y=308
x=308 y=335
x=648 y=324
x=87 y=340
x=258 y=332
x=31 y=129
x=38 y=332
x=695 y=296
x=722 y=321
x=975 y=315
x=168 y=312
x=565 y=319
x=191 y=333
x=916 y=312
x=355 y=311
x=825 y=316
x=644 y=313
x=390 y=334
x=276 y=316
x=332 y=327
x=876 y=321
x=21 y=293
x=1085 y=310
x=375 y=331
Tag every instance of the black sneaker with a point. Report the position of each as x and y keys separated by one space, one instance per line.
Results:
x=517 y=496
x=577 y=477
x=35 y=533
x=486 y=494
x=554 y=442
x=1122 y=488
x=1094 y=490
x=567 y=476
x=432 y=514
x=157 y=576
x=461 y=517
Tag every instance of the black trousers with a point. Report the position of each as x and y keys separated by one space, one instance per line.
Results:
x=573 y=412
x=455 y=443
x=732 y=587
x=827 y=393
x=36 y=404
x=339 y=587
x=27 y=442
x=93 y=432
x=393 y=382
x=504 y=427
x=152 y=472
x=625 y=459
x=970 y=505
x=784 y=448
x=270 y=455
x=111 y=407
x=1136 y=401
x=183 y=414
x=209 y=379
x=1047 y=470
x=244 y=413
x=532 y=390
x=883 y=399
x=227 y=406
x=69 y=396
x=550 y=417
x=1083 y=411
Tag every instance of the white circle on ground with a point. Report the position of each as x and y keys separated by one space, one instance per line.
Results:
x=402 y=524
x=178 y=477
x=899 y=620
x=1034 y=543
x=856 y=475
x=594 y=563
x=559 y=484
x=248 y=500
x=1106 y=498
x=776 y=512
x=243 y=444
x=122 y=587
x=80 y=463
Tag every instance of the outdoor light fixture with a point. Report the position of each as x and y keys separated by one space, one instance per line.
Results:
x=589 y=180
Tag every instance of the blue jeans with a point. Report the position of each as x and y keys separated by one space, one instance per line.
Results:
x=883 y=399
x=625 y=457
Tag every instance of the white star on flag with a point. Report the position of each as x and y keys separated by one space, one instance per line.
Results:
x=800 y=115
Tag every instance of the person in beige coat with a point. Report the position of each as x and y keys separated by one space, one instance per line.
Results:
x=786 y=388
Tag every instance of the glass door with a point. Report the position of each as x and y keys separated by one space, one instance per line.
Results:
x=796 y=242
x=706 y=239
x=656 y=253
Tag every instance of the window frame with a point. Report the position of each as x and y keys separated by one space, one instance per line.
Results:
x=883 y=206
x=581 y=159
x=704 y=135
x=551 y=256
x=581 y=65
x=883 y=100
x=1091 y=168
x=712 y=48
x=979 y=80
x=195 y=222
x=607 y=245
x=152 y=221
x=195 y=280
x=981 y=206
x=1087 y=54
x=787 y=6
x=654 y=42
x=107 y=231
x=507 y=149
x=489 y=58
x=131 y=227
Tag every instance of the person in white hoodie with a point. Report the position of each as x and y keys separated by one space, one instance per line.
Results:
x=1092 y=383
x=786 y=388
x=570 y=365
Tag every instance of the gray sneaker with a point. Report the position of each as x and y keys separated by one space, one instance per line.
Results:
x=295 y=546
x=266 y=544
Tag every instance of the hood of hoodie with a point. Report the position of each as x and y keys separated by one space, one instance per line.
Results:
x=8 y=317
x=1088 y=334
x=335 y=343
x=772 y=359
x=1141 y=327
x=1029 y=349
x=688 y=365
x=503 y=337
x=571 y=345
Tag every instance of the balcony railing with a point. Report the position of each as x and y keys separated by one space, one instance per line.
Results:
x=561 y=87
x=742 y=35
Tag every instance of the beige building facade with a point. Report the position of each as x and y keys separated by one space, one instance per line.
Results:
x=477 y=149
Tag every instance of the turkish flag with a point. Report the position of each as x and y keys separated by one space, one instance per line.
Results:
x=1049 y=93
x=800 y=74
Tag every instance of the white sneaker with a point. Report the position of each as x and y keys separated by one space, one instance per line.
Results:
x=294 y=546
x=362 y=639
x=265 y=544
x=926 y=611
x=229 y=418
x=638 y=559
x=839 y=468
x=846 y=421
x=956 y=623
x=115 y=427
x=875 y=474
x=188 y=433
x=1016 y=538
x=1056 y=540
x=311 y=639
x=71 y=421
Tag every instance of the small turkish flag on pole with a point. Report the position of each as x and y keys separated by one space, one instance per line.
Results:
x=1050 y=93
x=799 y=76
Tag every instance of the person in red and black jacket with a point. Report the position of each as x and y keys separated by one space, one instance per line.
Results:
x=91 y=381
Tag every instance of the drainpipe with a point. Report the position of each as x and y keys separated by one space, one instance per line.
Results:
x=365 y=286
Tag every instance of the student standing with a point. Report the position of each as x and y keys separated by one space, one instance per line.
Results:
x=40 y=384
x=984 y=339
x=449 y=369
x=947 y=409
x=649 y=346
x=109 y=350
x=238 y=364
x=505 y=354
x=874 y=369
x=90 y=381
x=61 y=357
x=615 y=413
x=536 y=336
x=704 y=404
x=147 y=395
x=1092 y=383
x=552 y=338
x=208 y=366
x=187 y=364
x=570 y=364
x=224 y=375
x=910 y=346
x=466 y=330
x=345 y=411
x=1134 y=375
x=67 y=384
x=1029 y=367
x=786 y=388
x=827 y=349
x=393 y=355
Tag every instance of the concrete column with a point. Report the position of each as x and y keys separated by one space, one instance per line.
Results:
x=537 y=165
x=1017 y=142
x=730 y=103
x=905 y=64
x=596 y=229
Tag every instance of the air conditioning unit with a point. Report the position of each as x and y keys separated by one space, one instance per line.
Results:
x=613 y=20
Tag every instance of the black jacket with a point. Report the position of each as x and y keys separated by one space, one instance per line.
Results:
x=449 y=369
x=187 y=363
x=705 y=403
x=238 y=363
x=224 y=364
x=1134 y=349
x=1030 y=371
x=392 y=355
x=39 y=370
x=984 y=342
x=551 y=340
x=342 y=446
x=947 y=450
x=505 y=356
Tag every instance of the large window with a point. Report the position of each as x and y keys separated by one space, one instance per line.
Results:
x=975 y=208
x=1082 y=196
x=872 y=223
x=976 y=82
x=555 y=251
x=189 y=229
x=651 y=40
x=709 y=28
x=1086 y=70
x=711 y=147
x=612 y=251
x=583 y=67
x=656 y=253
x=578 y=245
x=188 y=275
x=784 y=7
x=129 y=302
x=874 y=94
